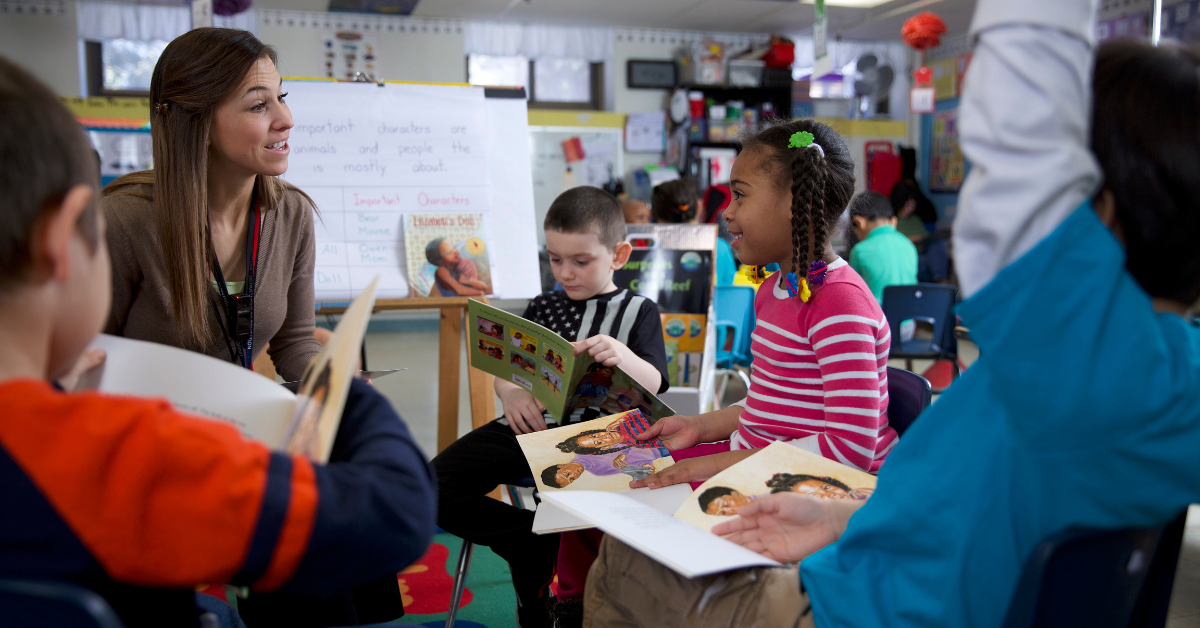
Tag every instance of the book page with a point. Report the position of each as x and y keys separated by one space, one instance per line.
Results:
x=686 y=550
x=612 y=390
x=777 y=468
x=598 y=455
x=550 y=517
x=196 y=383
x=326 y=381
x=522 y=352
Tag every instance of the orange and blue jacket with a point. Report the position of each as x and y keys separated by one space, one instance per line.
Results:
x=142 y=503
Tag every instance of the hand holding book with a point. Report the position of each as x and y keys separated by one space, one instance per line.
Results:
x=788 y=527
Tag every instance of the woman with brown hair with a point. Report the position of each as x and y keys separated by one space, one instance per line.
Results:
x=210 y=250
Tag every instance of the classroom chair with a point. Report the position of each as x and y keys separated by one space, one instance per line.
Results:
x=931 y=303
x=468 y=550
x=733 y=308
x=49 y=603
x=908 y=396
x=1099 y=578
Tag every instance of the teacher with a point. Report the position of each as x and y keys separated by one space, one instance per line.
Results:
x=211 y=251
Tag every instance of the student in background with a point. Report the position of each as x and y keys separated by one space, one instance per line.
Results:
x=129 y=497
x=585 y=237
x=180 y=234
x=636 y=212
x=677 y=202
x=883 y=257
x=1079 y=268
x=934 y=261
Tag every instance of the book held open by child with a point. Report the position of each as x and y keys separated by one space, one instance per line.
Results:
x=509 y=346
x=684 y=542
x=304 y=423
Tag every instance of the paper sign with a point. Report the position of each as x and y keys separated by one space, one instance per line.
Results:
x=921 y=99
x=646 y=132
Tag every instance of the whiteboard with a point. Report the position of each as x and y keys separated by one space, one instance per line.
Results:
x=603 y=155
x=370 y=155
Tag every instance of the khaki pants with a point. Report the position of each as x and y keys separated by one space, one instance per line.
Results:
x=625 y=589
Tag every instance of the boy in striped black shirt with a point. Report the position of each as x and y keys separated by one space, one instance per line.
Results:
x=585 y=237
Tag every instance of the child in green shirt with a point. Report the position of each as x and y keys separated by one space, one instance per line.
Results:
x=883 y=256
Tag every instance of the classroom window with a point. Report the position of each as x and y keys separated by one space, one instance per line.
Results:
x=498 y=70
x=121 y=67
x=566 y=84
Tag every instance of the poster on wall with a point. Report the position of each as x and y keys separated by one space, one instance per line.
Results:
x=1180 y=22
x=946 y=166
x=350 y=52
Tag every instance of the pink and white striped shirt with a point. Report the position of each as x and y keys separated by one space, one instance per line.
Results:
x=819 y=377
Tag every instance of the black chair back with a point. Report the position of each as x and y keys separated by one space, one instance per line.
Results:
x=42 y=603
x=1098 y=578
x=908 y=396
x=932 y=303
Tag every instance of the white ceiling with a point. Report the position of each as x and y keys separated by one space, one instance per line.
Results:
x=761 y=16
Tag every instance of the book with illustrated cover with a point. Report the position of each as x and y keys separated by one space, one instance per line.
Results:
x=540 y=361
x=683 y=541
x=304 y=423
x=447 y=255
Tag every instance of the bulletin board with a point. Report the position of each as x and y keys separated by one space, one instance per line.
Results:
x=946 y=165
x=603 y=151
x=379 y=157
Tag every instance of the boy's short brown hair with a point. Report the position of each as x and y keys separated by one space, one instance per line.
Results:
x=586 y=209
x=43 y=154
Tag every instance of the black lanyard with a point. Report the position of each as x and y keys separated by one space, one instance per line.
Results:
x=239 y=308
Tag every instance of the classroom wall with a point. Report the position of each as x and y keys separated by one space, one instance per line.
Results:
x=637 y=100
x=418 y=57
x=46 y=45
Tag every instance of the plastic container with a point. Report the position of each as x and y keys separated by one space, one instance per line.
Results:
x=746 y=72
x=698 y=130
x=696 y=104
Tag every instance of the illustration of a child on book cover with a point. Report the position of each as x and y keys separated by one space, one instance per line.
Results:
x=778 y=468
x=447 y=255
x=603 y=454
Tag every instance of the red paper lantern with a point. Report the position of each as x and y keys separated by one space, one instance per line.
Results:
x=923 y=30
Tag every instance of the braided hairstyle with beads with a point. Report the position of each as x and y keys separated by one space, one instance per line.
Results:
x=821 y=182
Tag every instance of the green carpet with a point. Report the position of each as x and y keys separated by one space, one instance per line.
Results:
x=489 y=601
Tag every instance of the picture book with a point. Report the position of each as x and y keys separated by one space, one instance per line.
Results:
x=447 y=255
x=684 y=542
x=304 y=423
x=602 y=454
x=544 y=363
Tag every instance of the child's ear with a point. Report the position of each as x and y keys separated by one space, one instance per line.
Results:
x=622 y=253
x=54 y=232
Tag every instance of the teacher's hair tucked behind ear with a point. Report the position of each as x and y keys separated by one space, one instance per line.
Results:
x=196 y=72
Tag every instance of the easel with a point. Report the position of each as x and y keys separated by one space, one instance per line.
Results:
x=450 y=337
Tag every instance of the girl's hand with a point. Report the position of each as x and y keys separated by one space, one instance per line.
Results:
x=676 y=432
x=619 y=461
x=87 y=361
x=786 y=527
x=604 y=349
x=523 y=410
x=694 y=469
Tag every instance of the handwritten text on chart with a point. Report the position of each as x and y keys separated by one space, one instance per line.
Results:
x=342 y=149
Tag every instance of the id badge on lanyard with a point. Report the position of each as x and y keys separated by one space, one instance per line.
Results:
x=239 y=308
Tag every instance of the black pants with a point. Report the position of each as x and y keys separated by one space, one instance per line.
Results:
x=467 y=471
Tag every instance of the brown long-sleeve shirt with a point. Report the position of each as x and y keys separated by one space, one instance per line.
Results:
x=283 y=302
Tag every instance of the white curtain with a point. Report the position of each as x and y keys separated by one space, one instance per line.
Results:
x=542 y=41
x=104 y=20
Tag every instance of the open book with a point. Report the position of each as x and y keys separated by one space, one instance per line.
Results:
x=542 y=362
x=304 y=423
x=598 y=455
x=684 y=542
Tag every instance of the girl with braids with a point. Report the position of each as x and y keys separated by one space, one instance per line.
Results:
x=820 y=346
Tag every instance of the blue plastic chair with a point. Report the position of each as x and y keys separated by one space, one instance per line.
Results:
x=47 y=603
x=1099 y=578
x=908 y=396
x=931 y=303
x=733 y=307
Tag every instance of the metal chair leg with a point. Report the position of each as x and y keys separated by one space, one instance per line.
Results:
x=460 y=580
x=745 y=379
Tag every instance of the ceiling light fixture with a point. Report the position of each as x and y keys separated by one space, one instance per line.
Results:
x=854 y=4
